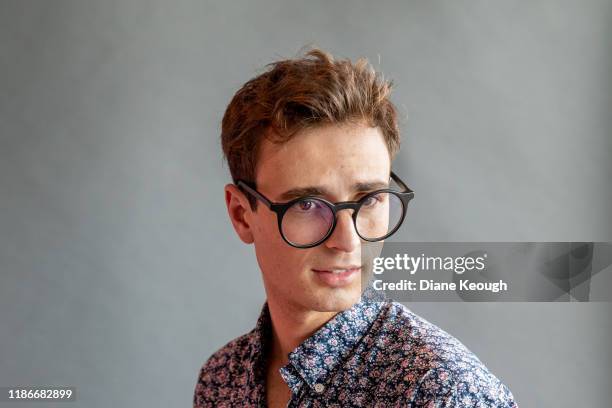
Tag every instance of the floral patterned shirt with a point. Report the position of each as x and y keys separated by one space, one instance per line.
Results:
x=375 y=354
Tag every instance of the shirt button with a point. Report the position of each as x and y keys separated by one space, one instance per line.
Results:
x=319 y=387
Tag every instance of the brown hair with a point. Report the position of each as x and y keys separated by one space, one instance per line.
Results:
x=299 y=93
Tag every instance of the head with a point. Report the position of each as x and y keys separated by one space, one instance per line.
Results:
x=317 y=124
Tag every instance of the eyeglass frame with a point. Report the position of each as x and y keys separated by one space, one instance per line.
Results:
x=281 y=208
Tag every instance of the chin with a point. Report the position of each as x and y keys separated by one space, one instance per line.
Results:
x=337 y=301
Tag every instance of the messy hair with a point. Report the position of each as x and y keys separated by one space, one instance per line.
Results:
x=295 y=94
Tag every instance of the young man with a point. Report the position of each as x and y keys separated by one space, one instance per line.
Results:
x=302 y=140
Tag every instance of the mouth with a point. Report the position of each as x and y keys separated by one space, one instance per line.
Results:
x=337 y=276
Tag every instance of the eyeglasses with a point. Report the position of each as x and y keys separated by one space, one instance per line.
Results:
x=305 y=222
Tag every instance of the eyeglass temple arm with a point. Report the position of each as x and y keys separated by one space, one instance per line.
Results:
x=400 y=182
x=254 y=193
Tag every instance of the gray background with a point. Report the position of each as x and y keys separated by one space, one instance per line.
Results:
x=119 y=271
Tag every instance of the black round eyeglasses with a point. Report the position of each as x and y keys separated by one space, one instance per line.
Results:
x=308 y=221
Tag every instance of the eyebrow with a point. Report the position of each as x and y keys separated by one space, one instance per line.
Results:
x=360 y=187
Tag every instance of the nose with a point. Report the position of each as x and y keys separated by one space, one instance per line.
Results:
x=344 y=238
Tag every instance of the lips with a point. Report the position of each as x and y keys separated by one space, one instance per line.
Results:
x=338 y=269
x=337 y=276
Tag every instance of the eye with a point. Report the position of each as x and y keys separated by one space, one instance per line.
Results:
x=372 y=200
x=369 y=201
x=306 y=205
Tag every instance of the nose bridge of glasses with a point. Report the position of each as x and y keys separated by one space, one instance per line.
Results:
x=349 y=224
x=346 y=205
x=343 y=205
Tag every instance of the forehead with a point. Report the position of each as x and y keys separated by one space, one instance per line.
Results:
x=332 y=155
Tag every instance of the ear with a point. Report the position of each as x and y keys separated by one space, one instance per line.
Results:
x=239 y=210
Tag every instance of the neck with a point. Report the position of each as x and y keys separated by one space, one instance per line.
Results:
x=291 y=325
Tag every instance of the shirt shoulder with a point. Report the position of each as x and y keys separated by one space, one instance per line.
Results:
x=230 y=356
x=224 y=373
x=437 y=367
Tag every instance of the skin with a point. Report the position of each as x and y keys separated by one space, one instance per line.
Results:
x=334 y=157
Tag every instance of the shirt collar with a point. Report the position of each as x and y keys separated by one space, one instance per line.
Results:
x=320 y=354
x=254 y=362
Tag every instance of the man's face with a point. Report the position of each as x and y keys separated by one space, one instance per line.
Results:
x=334 y=159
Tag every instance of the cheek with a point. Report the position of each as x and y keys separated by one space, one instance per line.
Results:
x=266 y=234
x=272 y=251
x=277 y=259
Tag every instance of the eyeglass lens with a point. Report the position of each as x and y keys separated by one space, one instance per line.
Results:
x=310 y=220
